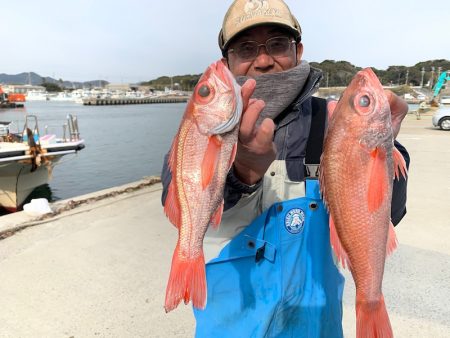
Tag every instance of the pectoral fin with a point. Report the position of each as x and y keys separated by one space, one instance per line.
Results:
x=210 y=159
x=377 y=179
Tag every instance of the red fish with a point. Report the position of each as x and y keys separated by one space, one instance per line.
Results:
x=202 y=153
x=358 y=166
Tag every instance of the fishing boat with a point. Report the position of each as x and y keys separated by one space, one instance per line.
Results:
x=27 y=158
x=37 y=95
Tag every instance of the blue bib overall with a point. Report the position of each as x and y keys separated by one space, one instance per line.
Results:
x=276 y=278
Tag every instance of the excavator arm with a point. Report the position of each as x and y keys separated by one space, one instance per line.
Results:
x=443 y=78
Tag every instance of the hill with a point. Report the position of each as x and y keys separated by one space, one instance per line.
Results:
x=335 y=74
x=35 y=79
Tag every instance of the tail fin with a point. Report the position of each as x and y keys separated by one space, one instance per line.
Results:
x=187 y=281
x=372 y=320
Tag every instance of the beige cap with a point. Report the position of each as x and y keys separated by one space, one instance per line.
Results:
x=244 y=14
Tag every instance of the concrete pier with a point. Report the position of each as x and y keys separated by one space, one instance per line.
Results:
x=149 y=100
x=11 y=105
x=99 y=266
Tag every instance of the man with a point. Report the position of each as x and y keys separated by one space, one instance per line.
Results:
x=270 y=270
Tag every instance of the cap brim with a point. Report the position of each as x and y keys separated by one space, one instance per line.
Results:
x=288 y=28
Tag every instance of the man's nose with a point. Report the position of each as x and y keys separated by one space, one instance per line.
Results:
x=263 y=59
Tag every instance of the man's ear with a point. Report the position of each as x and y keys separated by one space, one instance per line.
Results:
x=299 y=52
x=225 y=62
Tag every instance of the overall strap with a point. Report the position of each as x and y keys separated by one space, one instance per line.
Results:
x=314 y=145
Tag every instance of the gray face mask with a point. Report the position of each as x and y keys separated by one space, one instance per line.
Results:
x=278 y=90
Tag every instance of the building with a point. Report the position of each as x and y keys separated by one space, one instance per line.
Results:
x=22 y=89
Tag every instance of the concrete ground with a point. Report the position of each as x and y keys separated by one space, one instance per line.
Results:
x=100 y=269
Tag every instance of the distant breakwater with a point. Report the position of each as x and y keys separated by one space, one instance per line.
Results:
x=121 y=101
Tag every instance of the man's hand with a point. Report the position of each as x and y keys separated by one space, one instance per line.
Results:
x=256 y=150
x=399 y=109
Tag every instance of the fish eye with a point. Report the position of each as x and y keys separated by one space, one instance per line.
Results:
x=204 y=91
x=364 y=101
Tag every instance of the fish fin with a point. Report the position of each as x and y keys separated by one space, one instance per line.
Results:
x=233 y=156
x=172 y=154
x=322 y=184
x=372 y=319
x=171 y=206
x=399 y=164
x=338 y=249
x=187 y=282
x=377 y=179
x=392 y=240
x=331 y=105
x=217 y=217
x=210 y=160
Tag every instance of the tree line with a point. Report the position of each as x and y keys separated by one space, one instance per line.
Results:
x=336 y=74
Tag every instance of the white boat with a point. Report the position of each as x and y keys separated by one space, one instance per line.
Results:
x=62 y=97
x=37 y=95
x=27 y=159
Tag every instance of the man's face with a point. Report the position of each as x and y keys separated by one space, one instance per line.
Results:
x=263 y=63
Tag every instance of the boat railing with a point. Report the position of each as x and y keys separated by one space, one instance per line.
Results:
x=72 y=127
x=31 y=134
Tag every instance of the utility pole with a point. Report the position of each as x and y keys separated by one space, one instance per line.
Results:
x=423 y=74
x=327 y=79
x=432 y=78
x=407 y=75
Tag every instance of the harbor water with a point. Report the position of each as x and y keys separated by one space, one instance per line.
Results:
x=123 y=143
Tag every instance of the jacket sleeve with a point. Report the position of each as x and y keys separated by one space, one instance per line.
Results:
x=398 y=208
x=235 y=189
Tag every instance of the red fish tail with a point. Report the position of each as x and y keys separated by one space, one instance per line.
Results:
x=372 y=320
x=187 y=281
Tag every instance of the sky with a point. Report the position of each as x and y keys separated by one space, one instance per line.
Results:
x=135 y=40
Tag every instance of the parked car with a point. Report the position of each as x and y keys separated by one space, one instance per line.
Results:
x=441 y=118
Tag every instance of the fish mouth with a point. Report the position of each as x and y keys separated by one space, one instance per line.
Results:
x=223 y=72
x=369 y=75
x=227 y=77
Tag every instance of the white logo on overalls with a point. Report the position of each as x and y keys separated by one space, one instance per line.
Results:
x=294 y=220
